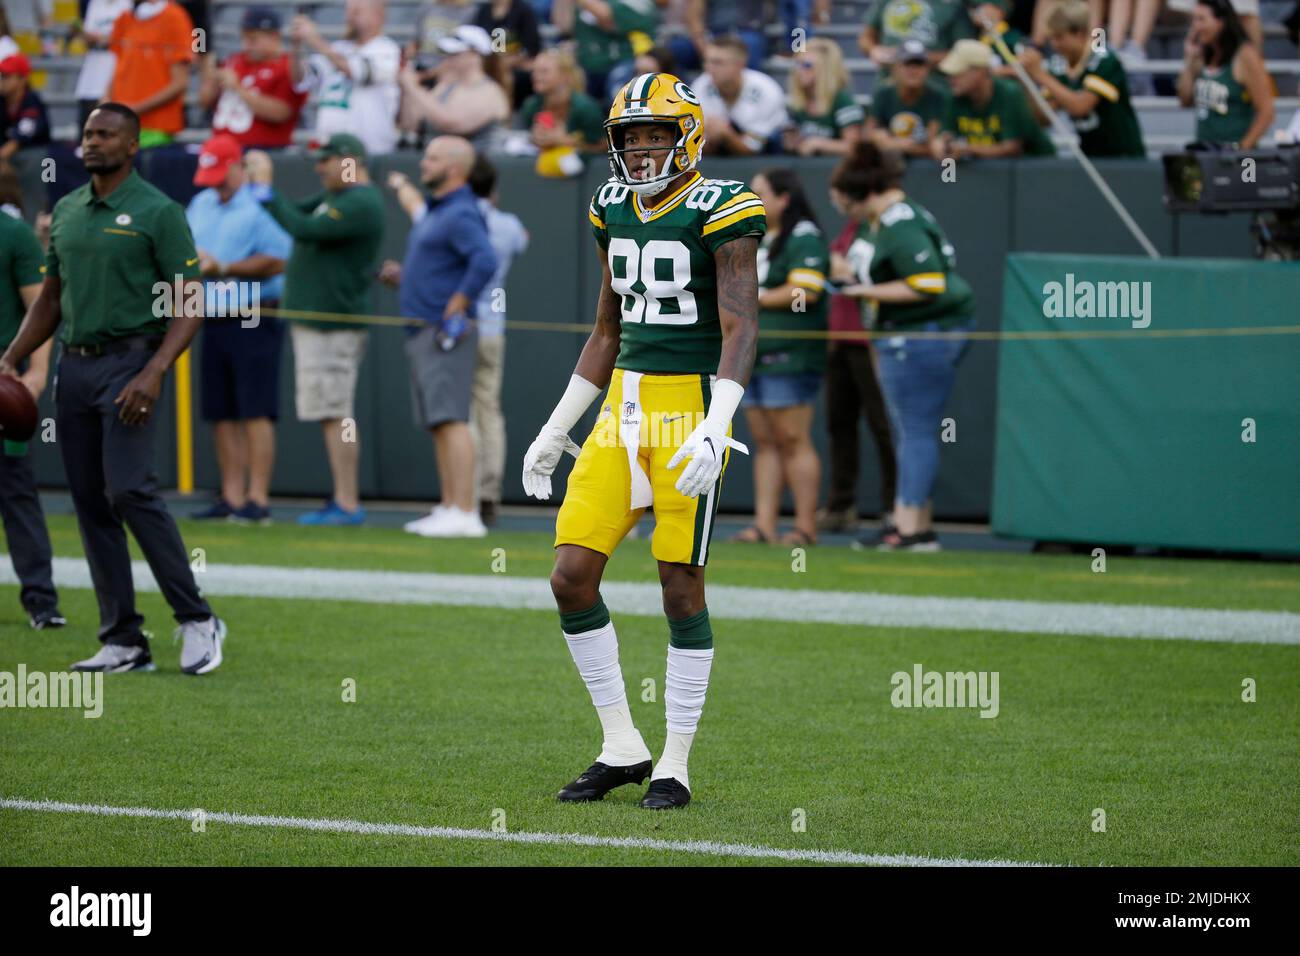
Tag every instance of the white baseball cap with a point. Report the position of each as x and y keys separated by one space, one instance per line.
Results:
x=466 y=37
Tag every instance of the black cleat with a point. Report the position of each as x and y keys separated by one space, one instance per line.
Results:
x=665 y=794
x=47 y=618
x=599 y=779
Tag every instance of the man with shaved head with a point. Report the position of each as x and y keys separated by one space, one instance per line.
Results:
x=449 y=261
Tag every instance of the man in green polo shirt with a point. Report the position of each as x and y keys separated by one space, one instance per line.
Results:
x=988 y=117
x=120 y=261
x=22 y=268
x=336 y=237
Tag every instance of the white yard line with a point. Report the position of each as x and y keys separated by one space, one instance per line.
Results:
x=701 y=847
x=730 y=602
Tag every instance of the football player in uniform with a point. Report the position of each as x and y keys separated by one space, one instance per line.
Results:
x=673 y=344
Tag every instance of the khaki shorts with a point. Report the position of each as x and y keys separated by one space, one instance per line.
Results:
x=326 y=364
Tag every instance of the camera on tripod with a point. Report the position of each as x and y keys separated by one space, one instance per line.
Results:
x=1209 y=181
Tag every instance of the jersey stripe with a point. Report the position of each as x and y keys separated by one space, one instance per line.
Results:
x=595 y=220
x=749 y=213
x=734 y=209
x=808 y=278
x=933 y=282
x=1095 y=84
x=745 y=196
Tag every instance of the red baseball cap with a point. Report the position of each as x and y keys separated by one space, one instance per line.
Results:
x=215 y=159
x=17 y=63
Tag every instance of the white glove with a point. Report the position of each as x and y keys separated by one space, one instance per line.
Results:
x=553 y=440
x=706 y=446
x=543 y=456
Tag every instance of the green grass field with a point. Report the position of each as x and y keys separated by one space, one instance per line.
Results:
x=466 y=717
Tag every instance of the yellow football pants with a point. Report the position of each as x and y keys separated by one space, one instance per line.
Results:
x=644 y=418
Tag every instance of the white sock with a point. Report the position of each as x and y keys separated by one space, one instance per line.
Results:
x=685 y=686
x=596 y=654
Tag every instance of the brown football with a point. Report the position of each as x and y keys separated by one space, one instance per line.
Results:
x=18 y=415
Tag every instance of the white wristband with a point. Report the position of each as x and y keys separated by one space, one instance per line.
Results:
x=577 y=399
x=725 y=401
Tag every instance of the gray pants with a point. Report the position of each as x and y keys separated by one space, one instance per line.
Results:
x=29 y=540
x=111 y=476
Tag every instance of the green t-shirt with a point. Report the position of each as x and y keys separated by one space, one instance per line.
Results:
x=803 y=262
x=1004 y=117
x=1223 y=108
x=598 y=49
x=585 y=116
x=907 y=243
x=336 y=238
x=662 y=268
x=936 y=23
x=1112 y=128
x=844 y=112
x=909 y=120
x=22 y=263
x=110 y=253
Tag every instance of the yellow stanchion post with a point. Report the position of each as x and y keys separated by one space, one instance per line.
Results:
x=184 y=426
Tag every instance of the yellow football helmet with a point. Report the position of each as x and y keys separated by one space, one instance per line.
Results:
x=656 y=98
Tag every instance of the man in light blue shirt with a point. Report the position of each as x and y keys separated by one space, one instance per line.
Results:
x=487 y=424
x=242 y=252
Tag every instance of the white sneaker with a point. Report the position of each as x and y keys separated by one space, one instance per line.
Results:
x=454 y=523
x=414 y=527
x=201 y=650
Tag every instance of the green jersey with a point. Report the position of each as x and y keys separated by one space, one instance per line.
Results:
x=336 y=237
x=802 y=261
x=844 y=112
x=1223 y=107
x=1112 y=128
x=111 y=254
x=907 y=243
x=909 y=120
x=661 y=266
x=21 y=264
x=585 y=116
x=599 y=50
x=1004 y=117
x=936 y=23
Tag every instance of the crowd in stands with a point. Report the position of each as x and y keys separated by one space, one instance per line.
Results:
x=958 y=81
x=536 y=76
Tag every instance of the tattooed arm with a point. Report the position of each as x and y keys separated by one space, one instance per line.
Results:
x=596 y=363
x=737 y=265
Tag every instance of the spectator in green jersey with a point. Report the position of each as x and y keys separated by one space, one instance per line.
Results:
x=907 y=112
x=901 y=267
x=988 y=116
x=1224 y=77
x=793 y=260
x=825 y=119
x=1088 y=82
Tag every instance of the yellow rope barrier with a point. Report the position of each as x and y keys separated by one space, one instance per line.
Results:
x=854 y=336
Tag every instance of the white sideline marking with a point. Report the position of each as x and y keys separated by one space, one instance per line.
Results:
x=730 y=602
x=701 y=847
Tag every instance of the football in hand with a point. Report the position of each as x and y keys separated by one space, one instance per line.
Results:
x=17 y=410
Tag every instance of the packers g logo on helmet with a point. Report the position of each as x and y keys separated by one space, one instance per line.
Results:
x=656 y=98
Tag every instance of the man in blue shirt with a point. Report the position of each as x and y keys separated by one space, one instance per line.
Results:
x=487 y=424
x=449 y=261
x=242 y=252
